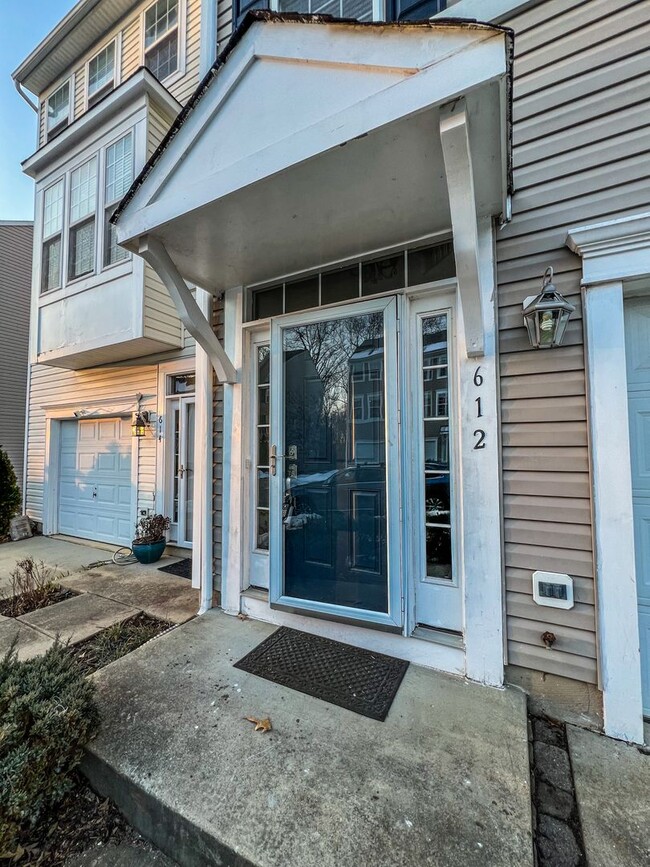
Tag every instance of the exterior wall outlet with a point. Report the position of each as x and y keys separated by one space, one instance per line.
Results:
x=553 y=589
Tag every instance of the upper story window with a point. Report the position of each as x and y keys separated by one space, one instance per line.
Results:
x=52 y=230
x=83 y=201
x=361 y=10
x=101 y=74
x=161 y=38
x=118 y=178
x=58 y=110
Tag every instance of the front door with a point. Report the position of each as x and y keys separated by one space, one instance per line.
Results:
x=181 y=469
x=334 y=464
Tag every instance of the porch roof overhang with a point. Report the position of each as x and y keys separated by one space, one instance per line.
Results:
x=313 y=144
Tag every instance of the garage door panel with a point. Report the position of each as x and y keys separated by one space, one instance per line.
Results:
x=95 y=490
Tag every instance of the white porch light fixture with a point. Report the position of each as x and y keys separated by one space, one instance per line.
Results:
x=546 y=315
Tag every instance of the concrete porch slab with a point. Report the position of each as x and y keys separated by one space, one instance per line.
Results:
x=79 y=618
x=123 y=855
x=29 y=642
x=157 y=593
x=443 y=781
x=612 y=782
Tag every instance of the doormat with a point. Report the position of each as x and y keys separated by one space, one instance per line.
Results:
x=183 y=568
x=350 y=677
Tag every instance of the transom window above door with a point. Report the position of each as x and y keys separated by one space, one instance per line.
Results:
x=374 y=276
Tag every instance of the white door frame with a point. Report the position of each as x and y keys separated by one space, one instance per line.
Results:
x=612 y=252
x=54 y=416
x=162 y=430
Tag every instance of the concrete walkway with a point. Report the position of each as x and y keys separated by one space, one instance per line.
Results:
x=612 y=782
x=443 y=781
x=107 y=595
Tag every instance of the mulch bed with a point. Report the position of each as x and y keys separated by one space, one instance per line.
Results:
x=117 y=641
x=14 y=606
x=82 y=822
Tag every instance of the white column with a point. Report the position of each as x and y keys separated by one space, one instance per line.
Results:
x=480 y=492
x=202 y=577
x=620 y=663
x=232 y=517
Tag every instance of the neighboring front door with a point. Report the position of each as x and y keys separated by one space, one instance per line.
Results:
x=637 y=346
x=181 y=467
x=334 y=464
x=95 y=488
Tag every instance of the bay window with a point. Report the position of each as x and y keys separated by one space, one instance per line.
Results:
x=58 y=111
x=101 y=74
x=161 y=38
x=52 y=233
x=83 y=201
x=118 y=177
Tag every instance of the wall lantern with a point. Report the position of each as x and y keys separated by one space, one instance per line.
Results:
x=140 y=420
x=546 y=315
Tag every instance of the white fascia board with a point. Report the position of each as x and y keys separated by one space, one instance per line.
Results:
x=482 y=61
x=614 y=249
x=140 y=85
x=494 y=11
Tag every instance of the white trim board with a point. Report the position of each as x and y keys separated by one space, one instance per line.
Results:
x=611 y=252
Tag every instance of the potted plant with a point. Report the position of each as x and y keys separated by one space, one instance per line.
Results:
x=150 y=541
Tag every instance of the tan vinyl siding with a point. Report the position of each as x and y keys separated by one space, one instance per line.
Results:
x=161 y=321
x=157 y=126
x=131 y=46
x=79 y=91
x=185 y=87
x=581 y=141
x=224 y=23
x=79 y=389
x=15 y=294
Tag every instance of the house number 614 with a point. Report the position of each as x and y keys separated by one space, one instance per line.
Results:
x=479 y=434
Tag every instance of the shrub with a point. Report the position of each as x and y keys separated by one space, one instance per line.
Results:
x=10 y=498
x=151 y=528
x=47 y=714
x=33 y=585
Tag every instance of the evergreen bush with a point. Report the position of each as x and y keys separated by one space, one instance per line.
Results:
x=47 y=714
x=10 y=498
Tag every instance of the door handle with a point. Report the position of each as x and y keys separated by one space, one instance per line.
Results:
x=273 y=462
x=181 y=471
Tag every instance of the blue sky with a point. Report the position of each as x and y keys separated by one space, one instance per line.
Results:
x=22 y=26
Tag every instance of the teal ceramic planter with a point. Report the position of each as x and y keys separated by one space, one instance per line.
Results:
x=149 y=552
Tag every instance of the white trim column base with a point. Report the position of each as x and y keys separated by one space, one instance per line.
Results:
x=620 y=662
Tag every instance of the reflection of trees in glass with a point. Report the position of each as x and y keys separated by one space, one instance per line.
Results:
x=317 y=376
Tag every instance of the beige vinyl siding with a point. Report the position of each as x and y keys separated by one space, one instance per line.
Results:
x=78 y=389
x=185 y=86
x=157 y=126
x=42 y=114
x=224 y=23
x=581 y=145
x=15 y=294
x=132 y=45
x=161 y=321
x=79 y=91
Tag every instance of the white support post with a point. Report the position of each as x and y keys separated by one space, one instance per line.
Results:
x=454 y=135
x=232 y=514
x=202 y=573
x=620 y=662
x=154 y=252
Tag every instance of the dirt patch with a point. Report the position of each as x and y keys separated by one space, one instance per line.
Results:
x=25 y=603
x=83 y=822
x=117 y=641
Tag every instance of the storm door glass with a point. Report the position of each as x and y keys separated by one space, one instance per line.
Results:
x=435 y=378
x=333 y=463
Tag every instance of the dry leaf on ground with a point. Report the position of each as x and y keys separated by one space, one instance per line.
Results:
x=261 y=725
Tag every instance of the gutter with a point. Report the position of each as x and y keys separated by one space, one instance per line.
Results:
x=22 y=93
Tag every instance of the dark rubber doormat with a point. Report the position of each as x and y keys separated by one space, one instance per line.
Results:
x=183 y=568
x=356 y=679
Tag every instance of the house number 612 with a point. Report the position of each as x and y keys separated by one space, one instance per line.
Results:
x=479 y=434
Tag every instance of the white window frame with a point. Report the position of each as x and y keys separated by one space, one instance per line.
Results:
x=51 y=132
x=109 y=87
x=45 y=239
x=107 y=206
x=182 y=41
x=74 y=224
x=378 y=9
